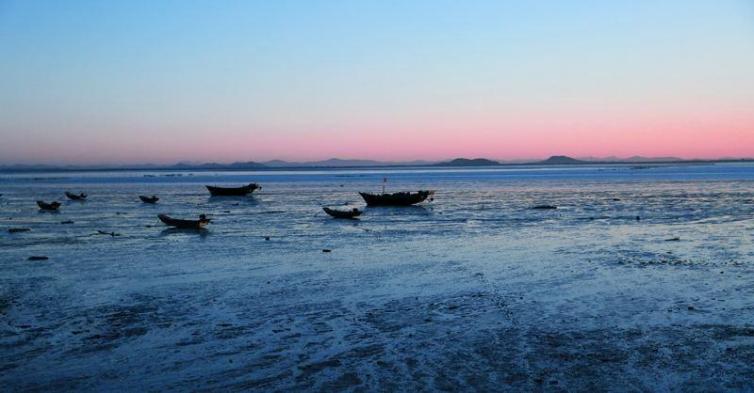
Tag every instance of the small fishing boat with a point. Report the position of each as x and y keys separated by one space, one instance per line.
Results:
x=233 y=191
x=74 y=197
x=52 y=206
x=185 y=224
x=396 y=199
x=353 y=213
x=147 y=199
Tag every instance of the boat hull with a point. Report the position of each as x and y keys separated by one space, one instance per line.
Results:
x=147 y=199
x=396 y=199
x=183 y=224
x=53 y=206
x=232 y=191
x=75 y=197
x=349 y=214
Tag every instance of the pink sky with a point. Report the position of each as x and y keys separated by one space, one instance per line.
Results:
x=135 y=82
x=694 y=135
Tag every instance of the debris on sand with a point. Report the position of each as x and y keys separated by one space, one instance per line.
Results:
x=544 y=207
x=17 y=230
x=38 y=258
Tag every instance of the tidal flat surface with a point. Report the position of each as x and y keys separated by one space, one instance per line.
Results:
x=474 y=291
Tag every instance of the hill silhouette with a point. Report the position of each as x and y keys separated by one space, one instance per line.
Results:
x=468 y=162
x=561 y=160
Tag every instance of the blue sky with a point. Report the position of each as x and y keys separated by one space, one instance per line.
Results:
x=161 y=81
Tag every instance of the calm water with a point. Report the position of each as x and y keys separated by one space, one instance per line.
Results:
x=474 y=290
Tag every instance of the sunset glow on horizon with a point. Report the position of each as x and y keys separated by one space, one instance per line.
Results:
x=90 y=82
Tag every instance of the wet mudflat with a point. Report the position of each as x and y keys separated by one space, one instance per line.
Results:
x=474 y=291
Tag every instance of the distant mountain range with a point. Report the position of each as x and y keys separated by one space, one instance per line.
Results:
x=469 y=162
x=340 y=163
x=214 y=165
x=631 y=159
x=562 y=160
x=356 y=163
x=554 y=160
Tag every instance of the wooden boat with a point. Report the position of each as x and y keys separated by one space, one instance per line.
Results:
x=353 y=213
x=233 y=191
x=185 y=224
x=396 y=199
x=146 y=199
x=52 y=206
x=74 y=197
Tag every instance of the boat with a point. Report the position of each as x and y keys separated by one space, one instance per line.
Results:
x=74 y=197
x=185 y=224
x=353 y=213
x=396 y=199
x=52 y=206
x=147 y=199
x=233 y=191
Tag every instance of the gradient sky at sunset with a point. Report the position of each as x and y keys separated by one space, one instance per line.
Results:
x=165 y=81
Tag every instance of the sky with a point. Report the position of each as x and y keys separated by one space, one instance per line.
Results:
x=92 y=82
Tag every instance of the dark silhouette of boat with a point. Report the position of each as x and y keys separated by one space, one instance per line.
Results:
x=233 y=191
x=74 y=197
x=147 y=199
x=52 y=206
x=185 y=224
x=353 y=213
x=396 y=199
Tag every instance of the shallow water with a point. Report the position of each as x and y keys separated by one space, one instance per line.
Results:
x=474 y=290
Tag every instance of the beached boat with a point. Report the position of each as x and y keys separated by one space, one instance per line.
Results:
x=353 y=213
x=544 y=207
x=233 y=191
x=75 y=197
x=185 y=224
x=396 y=199
x=147 y=199
x=54 y=205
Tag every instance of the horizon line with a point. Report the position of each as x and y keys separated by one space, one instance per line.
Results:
x=387 y=162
